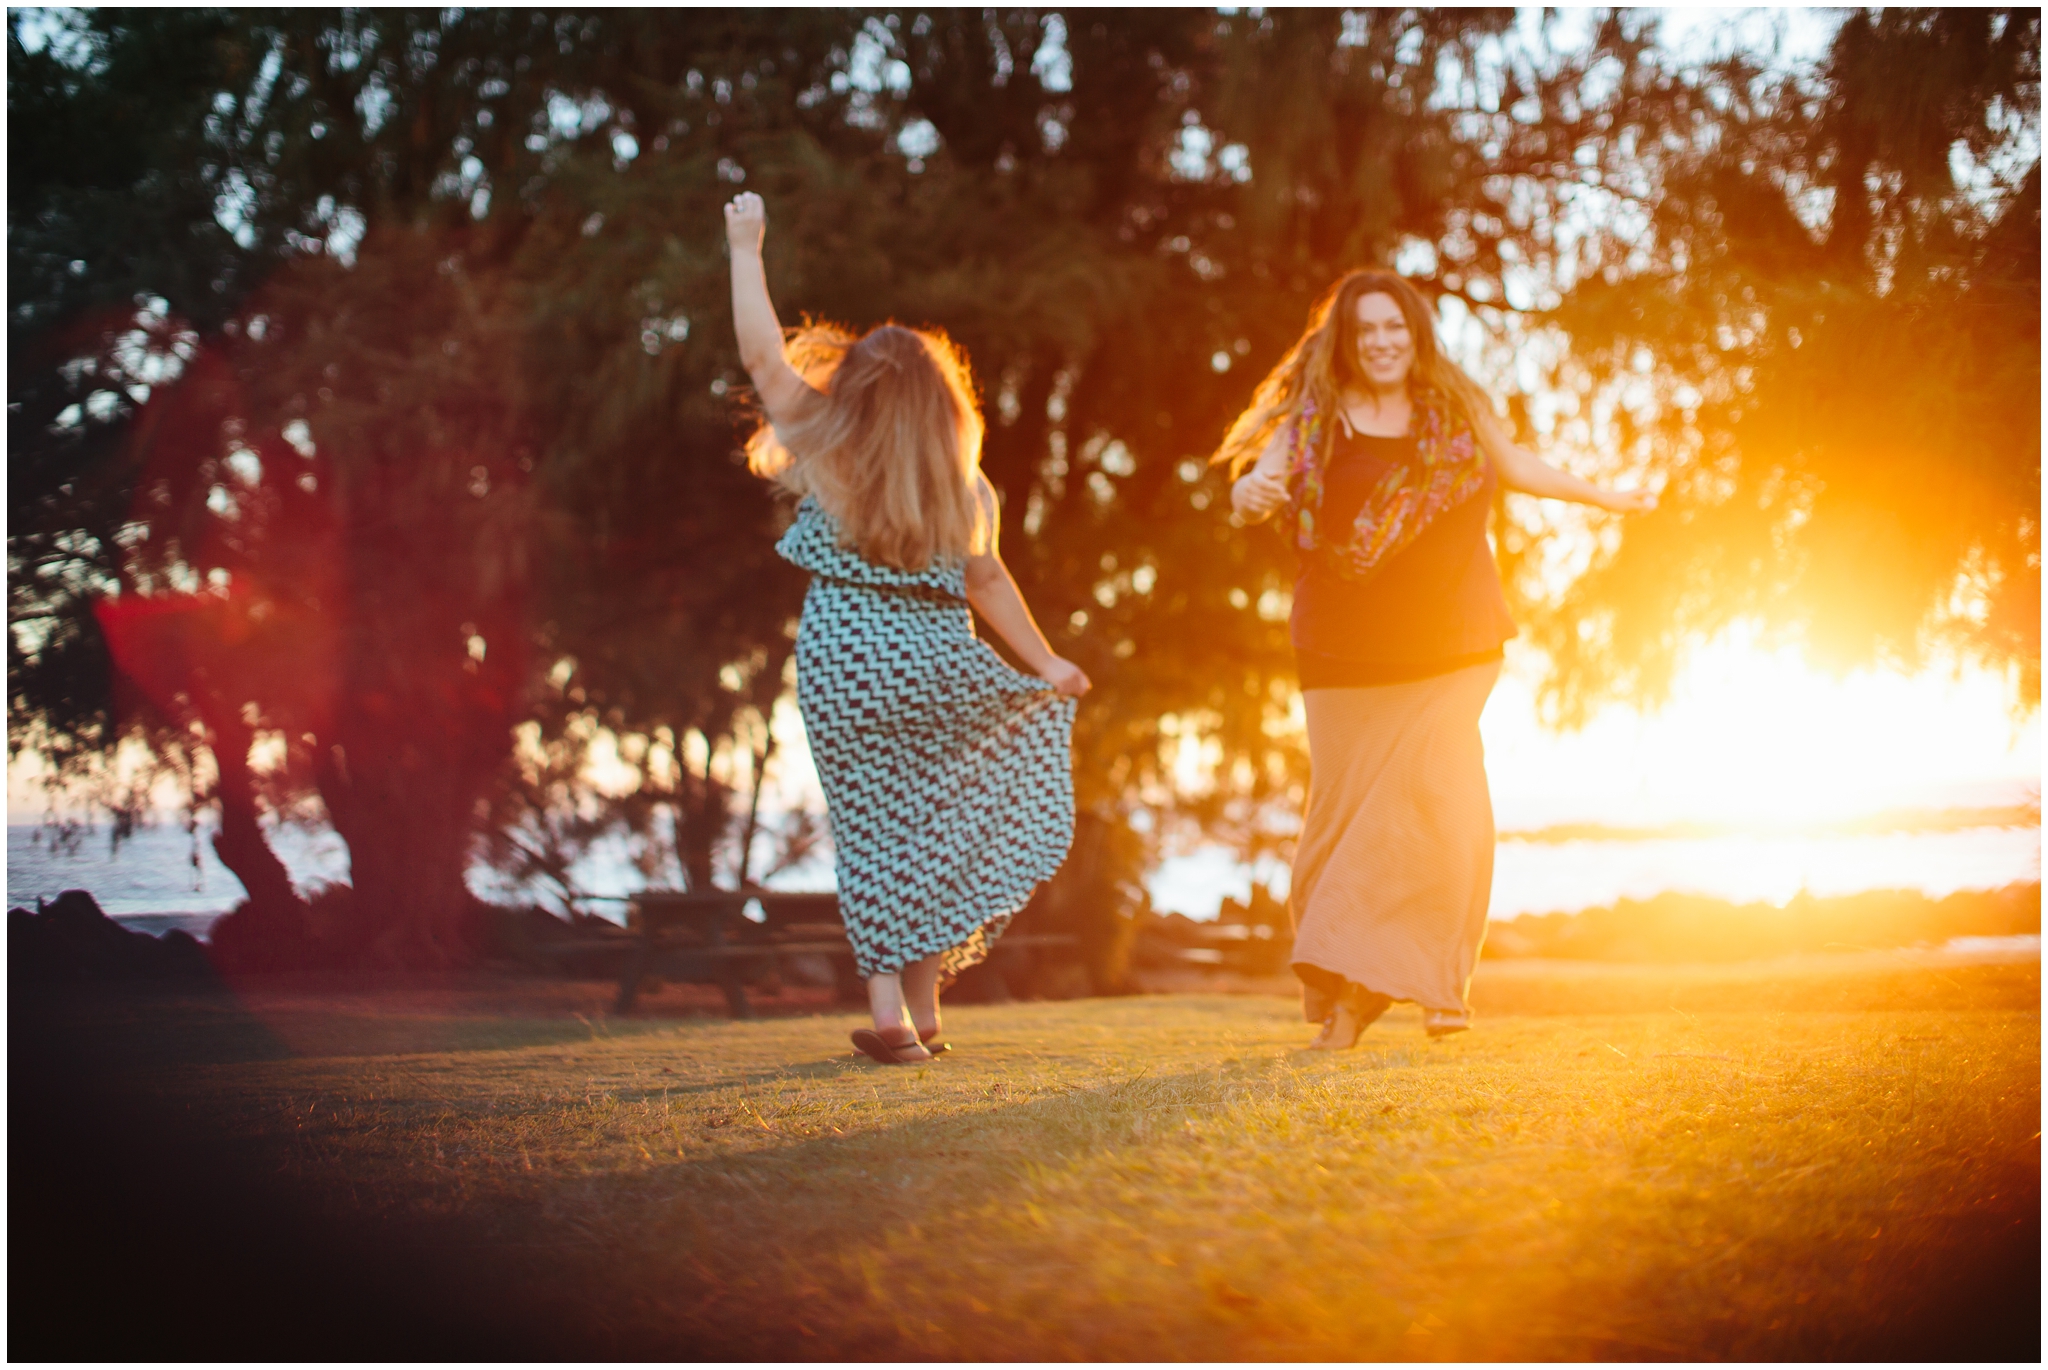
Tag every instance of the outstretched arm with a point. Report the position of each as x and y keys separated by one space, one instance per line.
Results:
x=1258 y=492
x=994 y=594
x=1520 y=469
x=783 y=392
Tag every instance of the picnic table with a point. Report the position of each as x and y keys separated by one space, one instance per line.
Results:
x=737 y=939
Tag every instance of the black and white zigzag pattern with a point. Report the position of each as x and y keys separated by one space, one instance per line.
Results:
x=948 y=776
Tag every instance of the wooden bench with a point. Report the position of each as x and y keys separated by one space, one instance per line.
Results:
x=1251 y=949
x=707 y=938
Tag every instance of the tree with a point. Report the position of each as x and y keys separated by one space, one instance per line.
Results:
x=667 y=616
x=454 y=241
x=1840 y=289
x=177 y=160
x=362 y=604
x=110 y=208
x=340 y=480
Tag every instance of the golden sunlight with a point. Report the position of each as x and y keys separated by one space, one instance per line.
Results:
x=1757 y=738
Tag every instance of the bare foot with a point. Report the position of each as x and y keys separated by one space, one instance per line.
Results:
x=1340 y=1032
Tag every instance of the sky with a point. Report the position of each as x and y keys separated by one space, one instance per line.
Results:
x=1792 y=34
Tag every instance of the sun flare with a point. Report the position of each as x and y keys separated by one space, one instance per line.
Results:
x=1757 y=738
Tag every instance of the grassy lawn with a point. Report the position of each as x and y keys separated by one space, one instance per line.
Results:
x=1824 y=1158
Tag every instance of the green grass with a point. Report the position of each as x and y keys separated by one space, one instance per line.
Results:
x=1813 y=1159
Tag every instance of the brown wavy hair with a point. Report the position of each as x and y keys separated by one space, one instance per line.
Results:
x=1323 y=363
x=891 y=448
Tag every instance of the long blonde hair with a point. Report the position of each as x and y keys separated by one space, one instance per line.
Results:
x=891 y=448
x=1324 y=361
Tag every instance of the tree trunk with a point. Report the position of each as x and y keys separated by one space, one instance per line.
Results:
x=701 y=819
x=404 y=814
x=762 y=757
x=240 y=843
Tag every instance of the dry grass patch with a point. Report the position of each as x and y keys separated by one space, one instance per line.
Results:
x=1171 y=1177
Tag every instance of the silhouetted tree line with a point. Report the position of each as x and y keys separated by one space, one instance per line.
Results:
x=371 y=394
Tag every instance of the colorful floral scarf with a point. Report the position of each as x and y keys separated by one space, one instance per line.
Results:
x=1447 y=468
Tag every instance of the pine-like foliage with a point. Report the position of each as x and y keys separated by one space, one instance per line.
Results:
x=372 y=399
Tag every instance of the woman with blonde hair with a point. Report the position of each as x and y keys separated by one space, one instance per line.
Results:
x=1385 y=457
x=948 y=775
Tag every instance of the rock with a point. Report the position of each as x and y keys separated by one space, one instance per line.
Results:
x=185 y=955
x=71 y=940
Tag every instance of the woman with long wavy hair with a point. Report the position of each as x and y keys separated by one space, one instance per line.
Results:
x=1384 y=457
x=947 y=775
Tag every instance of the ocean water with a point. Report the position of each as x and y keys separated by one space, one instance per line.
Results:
x=1563 y=877
x=162 y=877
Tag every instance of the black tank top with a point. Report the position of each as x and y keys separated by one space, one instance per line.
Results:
x=1434 y=606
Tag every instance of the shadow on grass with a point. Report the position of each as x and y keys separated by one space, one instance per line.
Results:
x=140 y=1231
x=711 y=1235
x=1970 y=1291
x=102 y=1030
x=142 y=1029
x=343 y=1032
x=830 y=1068
x=709 y=1240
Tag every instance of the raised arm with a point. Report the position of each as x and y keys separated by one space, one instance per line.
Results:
x=783 y=392
x=1520 y=469
x=994 y=594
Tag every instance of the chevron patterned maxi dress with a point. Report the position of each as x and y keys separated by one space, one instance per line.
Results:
x=948 y=776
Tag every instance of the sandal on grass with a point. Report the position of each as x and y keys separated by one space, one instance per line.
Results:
x=935 y=1048
x=876 y=1047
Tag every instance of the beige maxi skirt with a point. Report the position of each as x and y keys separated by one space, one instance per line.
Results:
x=1395 y=865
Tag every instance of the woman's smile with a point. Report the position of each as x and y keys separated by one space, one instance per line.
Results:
x=1383 y=363
x=1383 y=345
